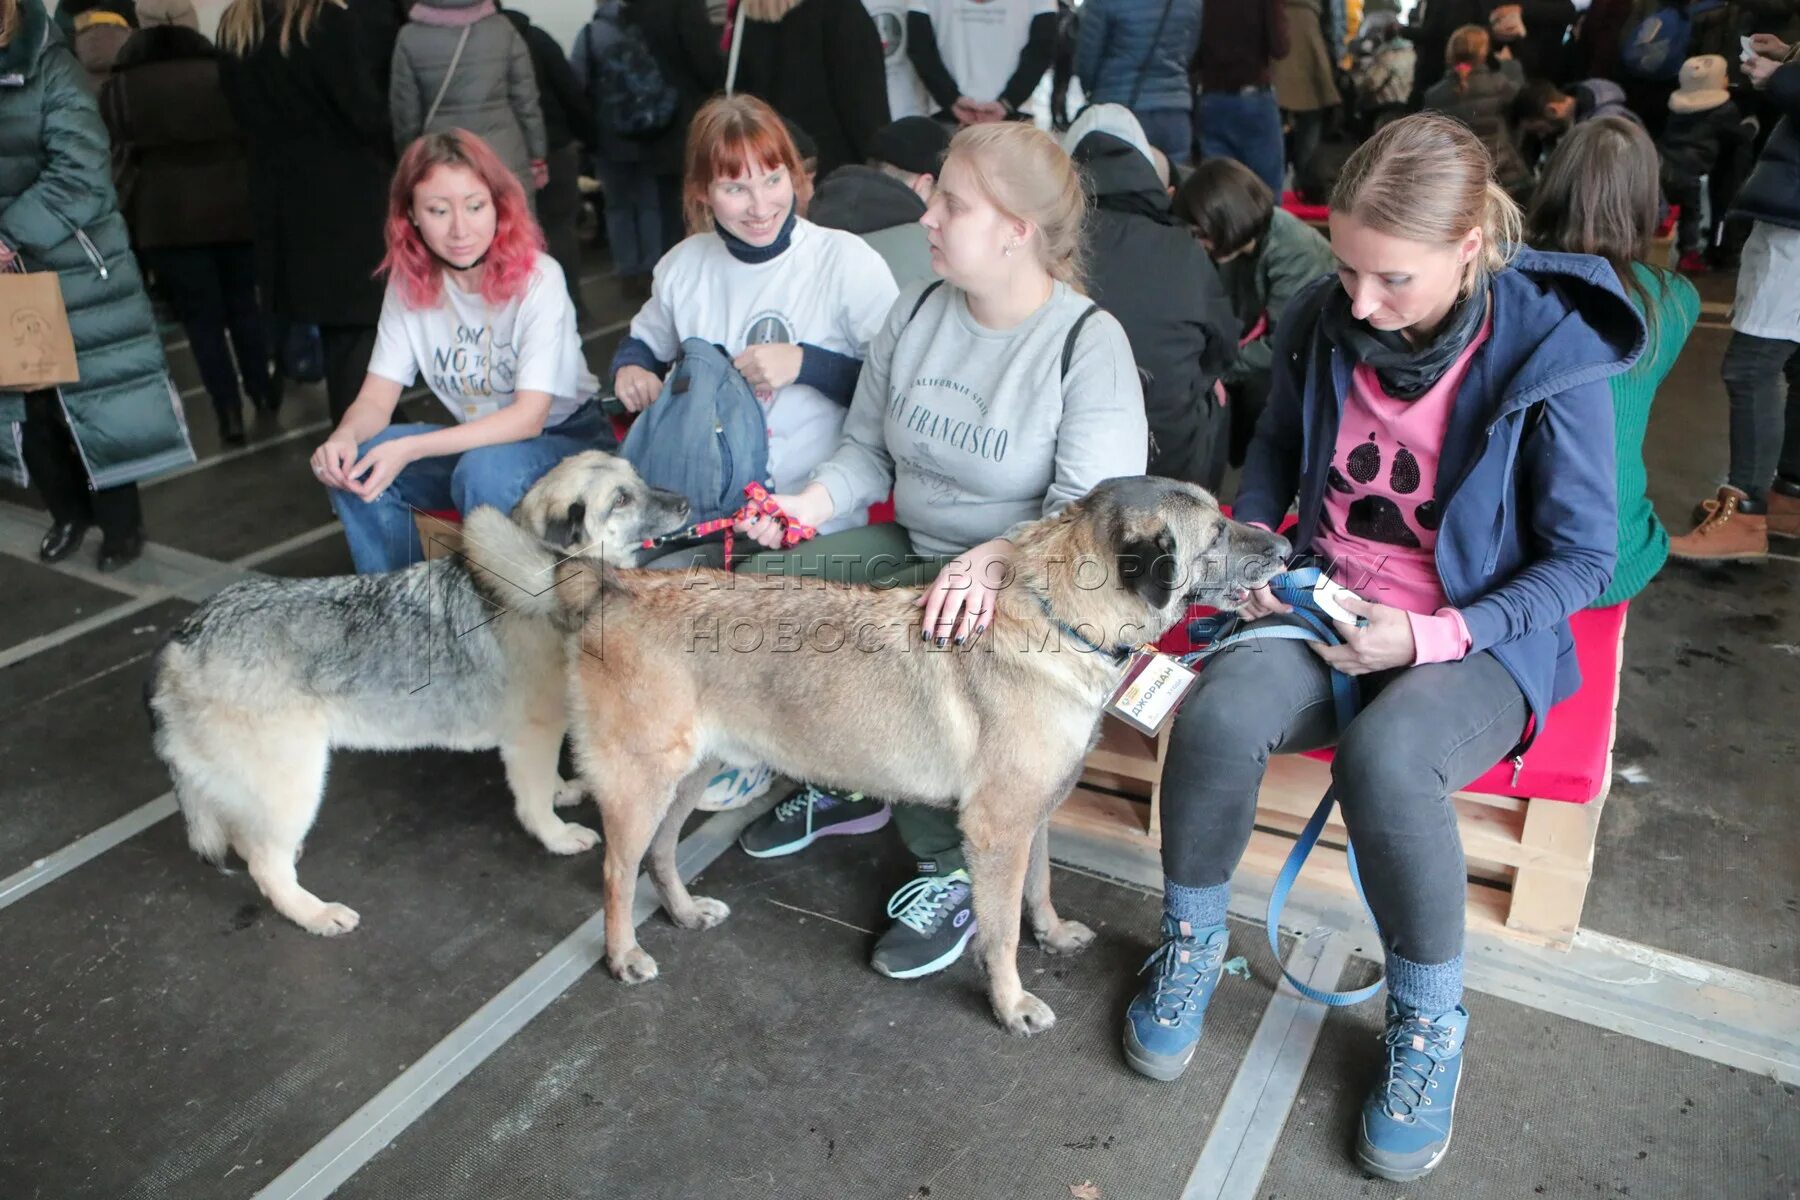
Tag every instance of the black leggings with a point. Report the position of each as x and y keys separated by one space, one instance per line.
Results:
x=1422 y=733
x=58 y=474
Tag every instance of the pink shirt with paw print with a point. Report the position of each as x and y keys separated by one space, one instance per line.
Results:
x=1380 y=522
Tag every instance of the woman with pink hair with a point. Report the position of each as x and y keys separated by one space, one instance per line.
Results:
x=475 y=305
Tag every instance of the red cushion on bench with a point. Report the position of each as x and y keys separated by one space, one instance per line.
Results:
x=1568 y=761
x=447 y=515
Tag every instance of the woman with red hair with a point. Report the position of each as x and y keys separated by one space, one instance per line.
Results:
x=795 y=304
x=475 y=304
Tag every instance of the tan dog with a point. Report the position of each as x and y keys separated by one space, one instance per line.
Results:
x=831 y=684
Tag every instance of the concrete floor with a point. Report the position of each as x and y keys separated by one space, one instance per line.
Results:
x=164 y=1034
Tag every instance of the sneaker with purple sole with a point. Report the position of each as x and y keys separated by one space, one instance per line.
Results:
x=808 y=815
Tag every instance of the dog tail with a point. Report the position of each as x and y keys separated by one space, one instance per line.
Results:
x=207 y=834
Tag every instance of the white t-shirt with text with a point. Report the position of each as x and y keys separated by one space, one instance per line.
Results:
x=475 y=357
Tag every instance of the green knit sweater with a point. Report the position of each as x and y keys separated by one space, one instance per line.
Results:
x=1643 y=542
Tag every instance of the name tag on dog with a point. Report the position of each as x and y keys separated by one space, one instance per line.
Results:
x=1151 y=692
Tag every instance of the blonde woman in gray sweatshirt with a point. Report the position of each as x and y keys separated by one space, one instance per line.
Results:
x=993 y=396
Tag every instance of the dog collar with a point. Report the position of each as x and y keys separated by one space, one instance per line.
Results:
x=1117 y=653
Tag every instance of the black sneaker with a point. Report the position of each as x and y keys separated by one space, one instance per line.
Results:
x=933 y=922
x=808 y=815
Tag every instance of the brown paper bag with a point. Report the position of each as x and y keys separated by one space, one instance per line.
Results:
x=36 y=349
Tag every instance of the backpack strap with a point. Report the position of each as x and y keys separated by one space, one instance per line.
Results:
x=925 y=295
x=1074 y=333
x=1068 y=354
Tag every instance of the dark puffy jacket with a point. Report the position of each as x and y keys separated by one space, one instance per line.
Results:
x=58 y=213
x=1484 y=103
x=821 y=67
x=184 y=173
x=1772 y=192
x=1112 y=52
x=1527 y=491
x=1694 y=143
x=1152 y=275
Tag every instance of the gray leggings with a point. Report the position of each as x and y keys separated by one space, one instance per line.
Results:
x=1422 y=733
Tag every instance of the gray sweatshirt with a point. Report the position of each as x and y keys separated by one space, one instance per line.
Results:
x=977 y=430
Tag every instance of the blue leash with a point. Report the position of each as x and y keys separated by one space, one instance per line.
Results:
x=1295 y=588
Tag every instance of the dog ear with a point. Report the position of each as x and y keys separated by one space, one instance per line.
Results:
x=1149 y=567
x=570 y=529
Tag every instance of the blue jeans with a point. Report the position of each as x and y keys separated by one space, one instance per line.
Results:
x=633 y=216
x=1170 y=130
x=1245 y=126
x=381 y=531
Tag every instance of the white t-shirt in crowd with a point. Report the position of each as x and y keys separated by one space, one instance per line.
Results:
x=907 y=96
x=475 y=356
x=828 y=288
x=980 y=40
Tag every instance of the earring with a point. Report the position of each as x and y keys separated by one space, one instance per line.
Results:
x=1009 y=249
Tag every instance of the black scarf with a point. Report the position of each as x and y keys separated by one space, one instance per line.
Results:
x=744 y=252
x=1407 y=372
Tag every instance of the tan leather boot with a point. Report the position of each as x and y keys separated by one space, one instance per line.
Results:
x=1784 y=514
x=1726 y=534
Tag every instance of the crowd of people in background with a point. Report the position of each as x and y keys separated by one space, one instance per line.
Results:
x=973 y=257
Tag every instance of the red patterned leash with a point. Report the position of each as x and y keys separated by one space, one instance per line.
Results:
x=757 y=503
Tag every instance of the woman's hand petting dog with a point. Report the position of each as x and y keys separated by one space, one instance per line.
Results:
x=636 y=388
x=959 y=604
x=375 y=470
x=1385 y=642
x=769 y=368
x=332 y=460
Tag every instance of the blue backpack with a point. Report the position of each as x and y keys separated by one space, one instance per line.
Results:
x=632 y=97
x=1656 y=46
x=706 y=436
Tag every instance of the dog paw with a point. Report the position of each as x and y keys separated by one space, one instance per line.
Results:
x=331 y=920
x=1025 y=1016
x=1066 y=937
x=704 y=914
x=569 y=791
x=634 y=967
x=571 y=839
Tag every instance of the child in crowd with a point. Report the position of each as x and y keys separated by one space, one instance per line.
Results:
x=1704 y=134
x=1480 y=95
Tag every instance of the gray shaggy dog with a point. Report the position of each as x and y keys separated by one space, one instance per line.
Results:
x=250 y=696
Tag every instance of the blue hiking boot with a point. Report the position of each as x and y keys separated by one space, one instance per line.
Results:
x=1163 y=1024
x=1406 y=1120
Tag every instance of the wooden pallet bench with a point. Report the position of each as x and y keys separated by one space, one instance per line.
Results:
x=1529 y=843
